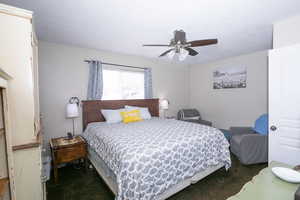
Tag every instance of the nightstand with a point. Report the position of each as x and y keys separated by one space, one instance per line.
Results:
x=66 y=150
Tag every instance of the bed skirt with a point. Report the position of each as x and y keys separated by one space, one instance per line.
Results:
x=110 y=178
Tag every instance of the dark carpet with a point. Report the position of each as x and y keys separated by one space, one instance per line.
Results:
x=76 y=184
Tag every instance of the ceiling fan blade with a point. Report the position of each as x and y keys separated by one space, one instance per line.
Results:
x=156 y=45
x=197 y=43
x=191 y=51
x=166 y=52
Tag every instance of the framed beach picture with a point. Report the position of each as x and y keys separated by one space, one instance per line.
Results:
x=230 y=77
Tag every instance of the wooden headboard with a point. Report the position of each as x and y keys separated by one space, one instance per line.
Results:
x=91 y=109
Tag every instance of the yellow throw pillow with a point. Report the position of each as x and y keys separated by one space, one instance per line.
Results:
x=131 y=116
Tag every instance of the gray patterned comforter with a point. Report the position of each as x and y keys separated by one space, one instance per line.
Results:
x=149 y=157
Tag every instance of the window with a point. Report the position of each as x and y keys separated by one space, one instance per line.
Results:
x=121 y=84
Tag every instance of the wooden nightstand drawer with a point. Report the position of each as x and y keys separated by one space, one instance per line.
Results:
x=70 y=153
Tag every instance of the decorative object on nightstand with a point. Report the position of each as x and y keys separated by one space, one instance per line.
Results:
x=72 y=112
x=66 y=150
x=164 y=105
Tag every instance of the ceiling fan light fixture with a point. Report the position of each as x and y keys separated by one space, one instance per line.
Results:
x=171 y=54
x=181 y=47
x=183 y=54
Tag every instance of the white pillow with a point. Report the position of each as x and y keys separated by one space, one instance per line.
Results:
x=112 y=116
x=145 y=114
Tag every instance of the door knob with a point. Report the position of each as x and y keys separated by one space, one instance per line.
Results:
x=273 y=128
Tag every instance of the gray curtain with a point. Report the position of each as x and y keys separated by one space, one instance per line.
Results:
x=148 y=83
x=95 y=85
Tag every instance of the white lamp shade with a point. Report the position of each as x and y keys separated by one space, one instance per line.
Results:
x=171 y=54
x=72 y=110
x=164 y=104
x=183 y=54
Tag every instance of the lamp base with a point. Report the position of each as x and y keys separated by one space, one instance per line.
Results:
x=70 y=136
x=73 y=127
x=165 y=113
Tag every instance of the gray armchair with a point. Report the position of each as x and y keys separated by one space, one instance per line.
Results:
x=192 y=115
x=248 y=146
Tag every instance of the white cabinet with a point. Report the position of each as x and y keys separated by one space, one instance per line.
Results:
x=18 y=59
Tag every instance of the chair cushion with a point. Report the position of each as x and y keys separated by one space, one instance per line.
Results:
x=236 y=139
x=261 y=125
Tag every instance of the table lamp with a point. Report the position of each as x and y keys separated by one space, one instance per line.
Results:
x=164 y=105
x=72 y=111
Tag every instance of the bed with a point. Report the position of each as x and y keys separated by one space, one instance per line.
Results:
x=151 y=159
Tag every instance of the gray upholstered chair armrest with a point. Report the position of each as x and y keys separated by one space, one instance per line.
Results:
x=241 y=130
x=254 y=148
x=190 y=120
x=204 y=122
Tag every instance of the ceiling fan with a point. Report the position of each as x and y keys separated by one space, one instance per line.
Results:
x=181 y=47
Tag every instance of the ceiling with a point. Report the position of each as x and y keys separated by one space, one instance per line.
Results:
x=242 y=26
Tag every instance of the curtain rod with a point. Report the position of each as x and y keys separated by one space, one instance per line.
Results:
x=104 y=63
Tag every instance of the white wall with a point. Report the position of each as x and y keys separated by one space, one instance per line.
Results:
x=231 y=107
x=286 y=32
x=63 y=74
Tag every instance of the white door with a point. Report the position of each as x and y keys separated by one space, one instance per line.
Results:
x=284 y=105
